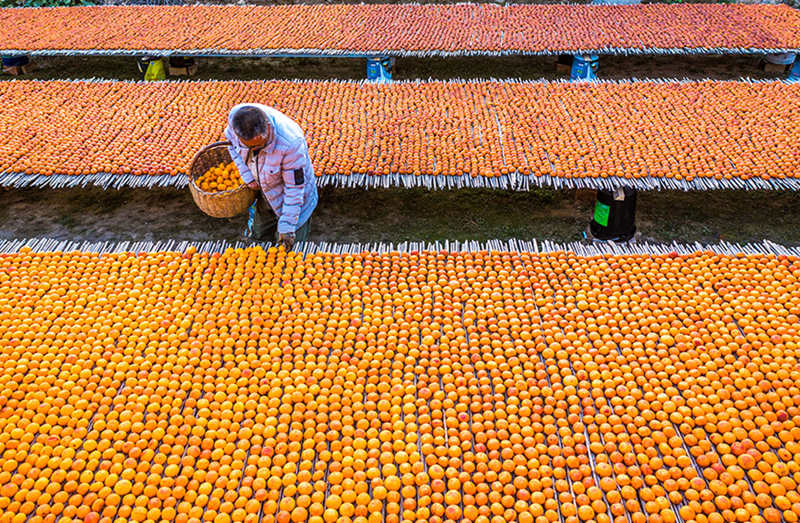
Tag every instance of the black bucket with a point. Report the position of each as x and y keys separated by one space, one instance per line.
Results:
x=614 y=216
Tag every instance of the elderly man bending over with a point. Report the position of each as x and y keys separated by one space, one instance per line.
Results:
x=271 y=153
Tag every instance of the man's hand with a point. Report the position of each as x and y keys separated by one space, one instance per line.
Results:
x=254 y=185
x=287 y=240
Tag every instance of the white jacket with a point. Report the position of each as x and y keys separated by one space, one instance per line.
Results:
x=283 y=169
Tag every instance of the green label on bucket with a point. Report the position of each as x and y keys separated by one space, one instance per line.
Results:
x=601 y=213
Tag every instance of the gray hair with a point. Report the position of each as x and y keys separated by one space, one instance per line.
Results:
x=249 y=121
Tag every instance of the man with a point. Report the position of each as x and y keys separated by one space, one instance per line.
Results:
x=271 y=153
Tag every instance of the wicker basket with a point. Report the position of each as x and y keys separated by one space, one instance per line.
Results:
x=225 y=204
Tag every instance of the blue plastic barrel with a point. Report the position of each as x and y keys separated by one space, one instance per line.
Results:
x=584 y=67
x=794 y=74
x=379 y=69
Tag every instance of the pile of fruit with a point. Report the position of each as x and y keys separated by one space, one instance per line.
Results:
x=222 y=177
x=417 y=386
x=654 y=130
x=404 y=28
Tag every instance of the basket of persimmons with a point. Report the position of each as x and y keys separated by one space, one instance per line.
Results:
x=215 y=183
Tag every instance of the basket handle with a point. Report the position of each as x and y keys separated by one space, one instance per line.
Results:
x=204 y=149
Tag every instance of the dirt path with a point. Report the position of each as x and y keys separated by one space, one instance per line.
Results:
x=402 y=215
x=520 y=67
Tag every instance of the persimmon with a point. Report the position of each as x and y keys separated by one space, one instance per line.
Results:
x=124 y=392
x=220 y=178
x=430 y=128
x=409 y=28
